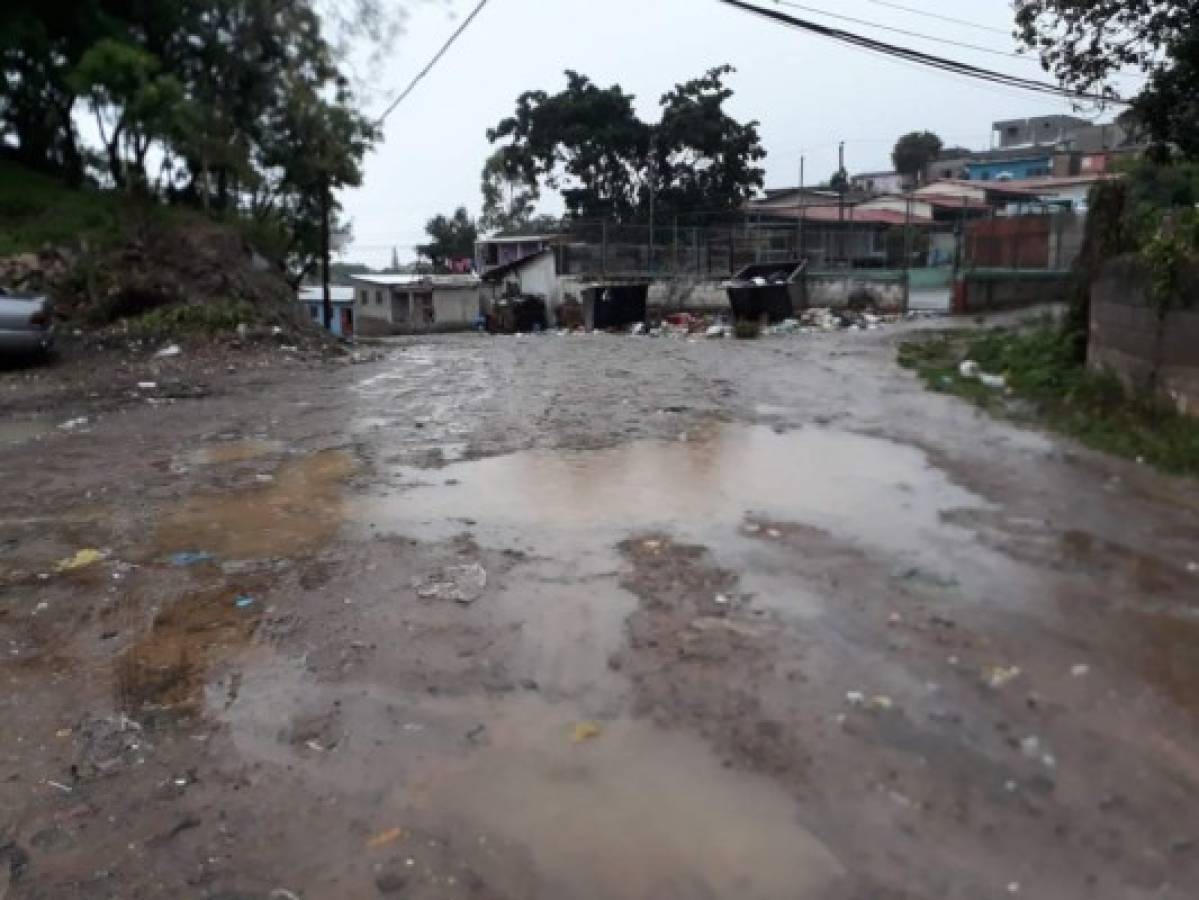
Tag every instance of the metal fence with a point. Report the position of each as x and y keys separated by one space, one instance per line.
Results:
x=623 y=250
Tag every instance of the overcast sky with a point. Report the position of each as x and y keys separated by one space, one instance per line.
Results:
x=806 y=92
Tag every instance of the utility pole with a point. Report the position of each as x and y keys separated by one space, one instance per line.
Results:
x=652 y=196
x=841 y=186
x=325 y=213
x=799 y=210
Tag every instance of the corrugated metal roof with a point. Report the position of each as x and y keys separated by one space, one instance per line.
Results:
x=437 y=281
x=338 y=293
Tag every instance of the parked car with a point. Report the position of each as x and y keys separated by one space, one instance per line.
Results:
x=26 y=324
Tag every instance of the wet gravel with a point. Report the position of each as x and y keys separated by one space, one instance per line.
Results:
x=759 y=619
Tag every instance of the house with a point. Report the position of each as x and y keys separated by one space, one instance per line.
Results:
x=503 y=249
x=535 y=275
x=313 y=299
x=1042 y=147
x=875 y=183
x=405 y=304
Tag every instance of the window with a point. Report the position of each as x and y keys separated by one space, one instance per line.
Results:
x=363 y=297
x=378 y=298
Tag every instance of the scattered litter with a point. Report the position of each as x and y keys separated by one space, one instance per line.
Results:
x=996 y=382
x=243 y=602
x=651 y=545
x=855 y=698
x=80 y=560
x=66 y=789
x=147 y=385
x=915 y=573
x=969 y=369
x=383 y=838
x=639 y=329
x=1193 y=568
x=283 y=894
x=1031 y=746
x=72 y=424
x=313 y=745
x=1080 y=671
x=722 y=600
x=169 y=350
x=585 y=731
x=895 y=620
x=1014 y=887
x=773 y=533
x=190 y=558
x=881 y=703
x=462 y=584
x=999 y=676
x=717 y=331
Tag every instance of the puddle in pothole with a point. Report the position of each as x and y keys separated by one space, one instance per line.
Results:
x=20 y=431
x=226 y=452
x=295 y=514
x=634 y=812
x=882 y=493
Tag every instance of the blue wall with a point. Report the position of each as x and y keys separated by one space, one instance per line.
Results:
x=314 y=310
x=1027 y=167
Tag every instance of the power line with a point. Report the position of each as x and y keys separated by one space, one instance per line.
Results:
x=434 y=61
x=932 y=15
x=908 y=54
x=1010 y=54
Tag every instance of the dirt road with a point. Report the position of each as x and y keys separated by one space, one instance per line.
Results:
x=587 y=617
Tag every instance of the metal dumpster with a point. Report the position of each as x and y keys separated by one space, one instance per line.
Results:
x=772 y=290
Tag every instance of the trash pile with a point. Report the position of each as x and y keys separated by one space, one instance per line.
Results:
x=720 y=325
x=972 y=371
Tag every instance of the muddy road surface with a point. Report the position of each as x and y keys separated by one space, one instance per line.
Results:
x=587 y=617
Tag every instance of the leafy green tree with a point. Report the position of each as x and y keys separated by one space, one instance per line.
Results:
x=839 y=181
x=508 y=201
x=453 y=237
x=702 y=158
x=588 y=143
x=1085 y=42
x=914 y=151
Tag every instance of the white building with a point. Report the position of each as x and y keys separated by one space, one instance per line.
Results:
x=403 y=304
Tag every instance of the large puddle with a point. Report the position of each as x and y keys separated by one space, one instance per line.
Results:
x=294 y=514
x=634 y=811
x=880 y=492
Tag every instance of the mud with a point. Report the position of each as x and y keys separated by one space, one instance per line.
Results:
x=758 y=620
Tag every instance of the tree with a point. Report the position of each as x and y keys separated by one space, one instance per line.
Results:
x=839 y=181
x=1085 y=42
x=508 y=201
x=914 y=151
x=588 y=143
x=453 y=238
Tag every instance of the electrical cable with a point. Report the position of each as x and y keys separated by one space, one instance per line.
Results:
x=434 y=61
x=916 y=56
x=1010 y=54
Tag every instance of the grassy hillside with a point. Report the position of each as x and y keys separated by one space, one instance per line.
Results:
x=36 y=210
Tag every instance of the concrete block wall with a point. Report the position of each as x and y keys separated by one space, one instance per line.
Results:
x=1146 y=351
x=992 y=291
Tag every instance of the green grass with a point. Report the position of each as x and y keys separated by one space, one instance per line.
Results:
x=36 y=209
x=1047 y=386
x=186 y=319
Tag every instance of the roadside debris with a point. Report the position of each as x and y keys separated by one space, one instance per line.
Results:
x=82 y=559
x=1000 y=676
x=1080 y=671
x=188 y=558
x=462 y=584
x=243 y=602
x=168 y=351
x=585 y=731
x=383 y=838
x=73 y=424
x=972 y=371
